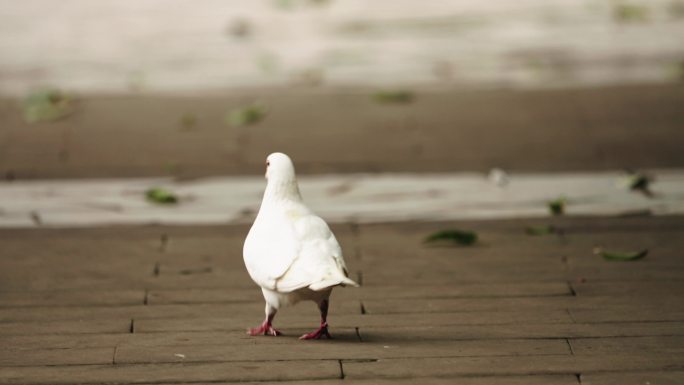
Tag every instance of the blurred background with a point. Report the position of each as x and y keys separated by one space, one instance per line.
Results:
x=161 y=46
x=188 y=89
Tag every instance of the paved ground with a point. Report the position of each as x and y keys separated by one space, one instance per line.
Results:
x=339 y=198
x=608 y=128
x=170 y=305
x=149 y=304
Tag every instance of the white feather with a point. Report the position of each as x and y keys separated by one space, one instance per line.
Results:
x=288 y=247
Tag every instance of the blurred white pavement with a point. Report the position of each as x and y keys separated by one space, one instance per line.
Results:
x=337 y=198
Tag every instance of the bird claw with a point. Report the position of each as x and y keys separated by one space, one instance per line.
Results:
x=318 y=334
x=265 y=330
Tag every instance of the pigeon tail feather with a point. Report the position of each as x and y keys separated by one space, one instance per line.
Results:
x=326 y=283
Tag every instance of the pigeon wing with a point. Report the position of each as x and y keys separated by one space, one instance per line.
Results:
x=319 y=263
x=269 y=250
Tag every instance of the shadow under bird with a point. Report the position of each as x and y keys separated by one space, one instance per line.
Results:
x=290 y=252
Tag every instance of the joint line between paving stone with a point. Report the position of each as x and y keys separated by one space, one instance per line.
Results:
x=163 y=241
x=572 y=351
x=341 y=370
x=116 y=347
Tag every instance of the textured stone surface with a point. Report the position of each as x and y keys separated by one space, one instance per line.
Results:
x=89 y=306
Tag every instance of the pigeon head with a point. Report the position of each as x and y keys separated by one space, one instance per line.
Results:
x=279 y=168
x=280 y=174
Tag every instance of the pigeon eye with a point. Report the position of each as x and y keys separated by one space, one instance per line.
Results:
x=268 y=163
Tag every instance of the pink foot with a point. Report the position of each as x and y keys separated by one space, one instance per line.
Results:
x=321 y=332
x=265 y=329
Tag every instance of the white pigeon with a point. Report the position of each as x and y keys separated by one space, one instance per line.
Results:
x=290 y=252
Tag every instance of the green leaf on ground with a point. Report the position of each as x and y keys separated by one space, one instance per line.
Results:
x=188 y=120
x=161 y=196
x=639 y=182
x=246 y=115
x=460 y=237
x=46 y=106
x=629 y=12
x=612 y=255
x=540 y=230
x=398 y=96
x=557 y=206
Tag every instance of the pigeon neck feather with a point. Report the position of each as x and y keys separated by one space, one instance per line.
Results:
x=282 y=189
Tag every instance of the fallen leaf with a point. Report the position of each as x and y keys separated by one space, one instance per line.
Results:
x=640 y=182
x=398 y=96
x=46 y=106
x=620 y=255
x=627 y=12
x=557 y=206
x=188 y=120
x=246 y=115
x=460 y=237
x=161 y=196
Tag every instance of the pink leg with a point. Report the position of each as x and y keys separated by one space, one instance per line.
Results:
x=322 y=331
x=266 y=327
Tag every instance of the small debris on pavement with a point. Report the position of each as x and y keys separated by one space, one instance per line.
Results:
x=188 y=120
x=540 y=230
x=640 y=182
x=460 y=237
x=499 y=177
x=628 y=12
x=161 y=196
x=239 y=28
x=611 y=255
x=398 y=96
x=246 y=115
x=47 y=106
x=557 y=206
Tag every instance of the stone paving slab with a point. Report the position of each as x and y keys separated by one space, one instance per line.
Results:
x=530 y=330
x=340 y=198
x=72 y=298
x=171 y=305
x=82 y=326
x=634 y=378
x=480 y=366
x=645 y=345
x=58 y=357
x=172 y=373
x=343 y=349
